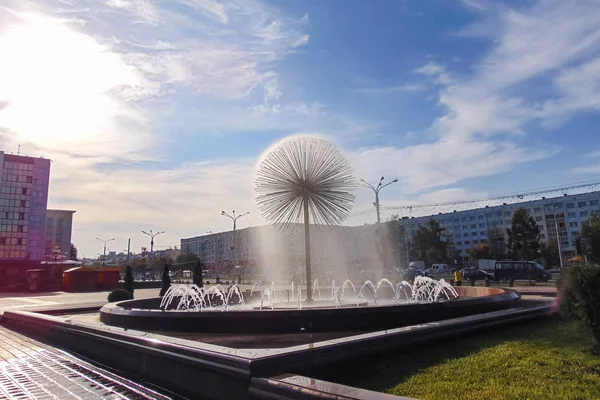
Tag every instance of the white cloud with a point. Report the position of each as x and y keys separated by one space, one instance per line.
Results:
x=409 y=87
x=444 y=162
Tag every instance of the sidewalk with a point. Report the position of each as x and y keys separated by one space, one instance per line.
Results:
x=32 y=370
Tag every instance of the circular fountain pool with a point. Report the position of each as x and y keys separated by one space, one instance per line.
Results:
x=385 y=306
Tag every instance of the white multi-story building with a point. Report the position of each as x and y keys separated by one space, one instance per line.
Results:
x=467 y=229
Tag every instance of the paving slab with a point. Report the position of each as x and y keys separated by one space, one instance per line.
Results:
x=33 y=370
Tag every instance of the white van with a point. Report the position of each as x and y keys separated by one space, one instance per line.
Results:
x=439 y=269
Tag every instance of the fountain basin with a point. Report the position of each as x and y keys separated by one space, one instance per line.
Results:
x=146 y=315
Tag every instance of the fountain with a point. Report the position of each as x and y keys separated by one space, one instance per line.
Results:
x=308 y=181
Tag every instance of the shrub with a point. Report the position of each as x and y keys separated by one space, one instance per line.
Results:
x=579 y=295
x=166 y=281
x=197 y=278
x=118 y=295
x=129 y=282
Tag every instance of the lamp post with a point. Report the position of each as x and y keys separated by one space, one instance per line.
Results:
x=105 y=241
x=234 y=218
x=558 y=237
x=152 y=235
x=376 y=190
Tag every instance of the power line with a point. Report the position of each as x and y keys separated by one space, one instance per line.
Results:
x=518 y=196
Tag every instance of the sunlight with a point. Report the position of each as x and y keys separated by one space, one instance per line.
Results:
x=57 y=82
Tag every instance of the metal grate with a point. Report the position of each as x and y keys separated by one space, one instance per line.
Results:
x=56 y=375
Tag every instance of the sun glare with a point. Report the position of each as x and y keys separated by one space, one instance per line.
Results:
x=56 y=82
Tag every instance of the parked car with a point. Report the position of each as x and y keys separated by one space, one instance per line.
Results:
x=513 y=270
x=410 y=273
x=476 y=274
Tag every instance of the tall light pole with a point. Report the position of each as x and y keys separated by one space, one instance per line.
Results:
x=152 y=235
x=376 y=190
x=234 y=218
x=558 y=237
x=105 y=241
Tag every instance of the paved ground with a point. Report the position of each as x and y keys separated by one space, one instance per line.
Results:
x=24 y=301
x=32 y=370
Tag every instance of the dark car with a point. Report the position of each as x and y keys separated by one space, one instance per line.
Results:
x=513 y=270
x=476 y=274
x=410 y=274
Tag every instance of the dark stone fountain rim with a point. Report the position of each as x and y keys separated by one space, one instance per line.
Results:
x=145 y=314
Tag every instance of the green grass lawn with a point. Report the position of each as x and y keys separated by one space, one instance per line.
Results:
x=547 y=359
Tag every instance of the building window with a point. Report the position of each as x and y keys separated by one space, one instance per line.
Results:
x=482 y=233
x=475 y=241
x=582 y=204
x=459 y=243
x=29 y=179
x=499 y=214
x=49 y=222
x=594 y=203
x=19 y=228
x=467 y=242
x=457 y=235
x=538 y=218
x=472 y=218
x=570 y=205
x=537 y=209
x=473 y=233
x=572 y=215
x=24 y=191
x=583 y=214
x=542 y=236
x=482 y=225
x=507 y=213
x=473 y=226
x=573 y=224
x=466 y=234
x=21 y=215
x=480 y=217
x=465 y=226
x=575 y=233
x=464 y=219
x=2 y=241
x=541 y=227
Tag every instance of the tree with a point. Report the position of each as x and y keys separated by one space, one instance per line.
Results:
x=523 y=237
x=549 y=253
x=591 y=235
x=166 y=281
x=183 y=258
x=479 y=252
x=129 y=282
x=428 y=243
x=73 y=252
x=496 y=244
x=197 y=278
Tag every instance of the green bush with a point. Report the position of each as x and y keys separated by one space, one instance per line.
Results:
x=118 y=295
x=579 y=295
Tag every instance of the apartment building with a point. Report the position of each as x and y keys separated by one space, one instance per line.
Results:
x=469 y=228
x=23 y=201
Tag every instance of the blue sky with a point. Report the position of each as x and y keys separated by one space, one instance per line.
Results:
x=156 y=112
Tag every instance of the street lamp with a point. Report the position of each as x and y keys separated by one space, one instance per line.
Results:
x=558 y=237
x=234 y=218
x=152 y=235
x=376 y=190
x=105 y=241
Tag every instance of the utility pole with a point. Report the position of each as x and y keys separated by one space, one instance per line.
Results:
x=376 y=190
x=234 y=218
x=128 y=249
